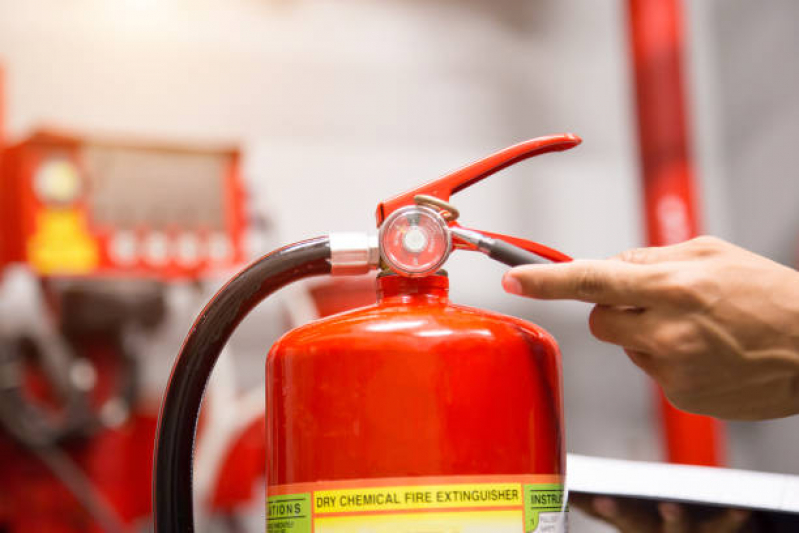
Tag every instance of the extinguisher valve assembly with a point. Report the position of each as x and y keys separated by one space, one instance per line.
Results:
x=417 y=232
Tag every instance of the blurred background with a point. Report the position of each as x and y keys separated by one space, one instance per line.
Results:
x=198 y=134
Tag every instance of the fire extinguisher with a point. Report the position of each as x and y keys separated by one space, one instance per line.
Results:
x=413 y=414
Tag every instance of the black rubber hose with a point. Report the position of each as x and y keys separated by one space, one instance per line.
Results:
x=174 y=451
x=513 y=256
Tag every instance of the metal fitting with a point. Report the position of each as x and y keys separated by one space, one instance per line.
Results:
x=353 y=253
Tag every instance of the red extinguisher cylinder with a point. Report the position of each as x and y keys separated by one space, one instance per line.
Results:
x=412 y=392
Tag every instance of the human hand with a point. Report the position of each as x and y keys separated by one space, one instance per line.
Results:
x=715 y=325
x=639 y=516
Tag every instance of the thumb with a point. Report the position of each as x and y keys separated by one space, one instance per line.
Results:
x=610 y=282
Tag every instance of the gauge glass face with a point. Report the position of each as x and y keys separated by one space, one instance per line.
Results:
x=57 y=181
x=415 y=241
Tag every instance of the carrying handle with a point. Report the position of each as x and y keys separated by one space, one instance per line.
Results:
x=444 y=187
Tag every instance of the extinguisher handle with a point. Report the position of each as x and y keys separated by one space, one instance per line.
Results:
x=511 y=251
x=444 y=187
x=513 y=256
x=467 y=236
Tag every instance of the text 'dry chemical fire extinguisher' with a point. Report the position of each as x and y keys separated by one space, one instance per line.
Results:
x=413 y=414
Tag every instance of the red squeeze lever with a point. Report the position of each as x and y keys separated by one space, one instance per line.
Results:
x=444 y=187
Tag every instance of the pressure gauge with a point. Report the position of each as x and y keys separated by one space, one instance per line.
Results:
x=57 y=182
x=415 y=241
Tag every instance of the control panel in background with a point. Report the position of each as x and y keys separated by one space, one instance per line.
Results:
x=75 y=206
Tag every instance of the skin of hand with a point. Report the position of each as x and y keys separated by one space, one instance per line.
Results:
x=715 y=325
x=636 y=516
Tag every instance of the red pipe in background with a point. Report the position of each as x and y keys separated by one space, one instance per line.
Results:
x=668 y=186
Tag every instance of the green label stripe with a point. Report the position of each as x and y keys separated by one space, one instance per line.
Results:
x=541 y=498
x=289 y=513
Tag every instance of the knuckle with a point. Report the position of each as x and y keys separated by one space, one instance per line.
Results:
x=686 y=288
x=706 y=244
x=588 y=283
x=661 y=340
x=675 y=341
x=635 y=255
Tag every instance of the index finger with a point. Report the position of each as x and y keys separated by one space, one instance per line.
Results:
x=609 y=282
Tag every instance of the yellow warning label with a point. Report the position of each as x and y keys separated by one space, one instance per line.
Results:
x=439 y=522
x=62 y=244
x=473 y=504
x=404 y=498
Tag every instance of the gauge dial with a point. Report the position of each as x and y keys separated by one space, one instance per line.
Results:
x=415 y=241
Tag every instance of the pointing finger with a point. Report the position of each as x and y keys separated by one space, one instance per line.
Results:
x=610 y=282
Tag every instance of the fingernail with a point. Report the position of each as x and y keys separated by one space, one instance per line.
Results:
x=511 y=284
x=670 y=512
x=605 y=506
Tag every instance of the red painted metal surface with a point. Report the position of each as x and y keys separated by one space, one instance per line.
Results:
x=242 y=467
x=669 y=184
x=443 y=188
x=413 y=386
x=40 y=502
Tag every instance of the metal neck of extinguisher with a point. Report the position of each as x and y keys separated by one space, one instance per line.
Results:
x=416 y=237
